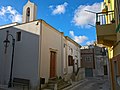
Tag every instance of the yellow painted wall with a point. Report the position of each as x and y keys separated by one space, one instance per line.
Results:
x=117 y=47
x=116 y=50
x=110 y=5
x=110 y=52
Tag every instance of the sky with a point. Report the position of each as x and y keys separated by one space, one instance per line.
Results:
x=69 y=16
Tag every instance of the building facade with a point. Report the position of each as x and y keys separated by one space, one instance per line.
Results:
x=108 y=35
x=40 y=50
x=73 y=58
x=95 y=61
x=87 y=61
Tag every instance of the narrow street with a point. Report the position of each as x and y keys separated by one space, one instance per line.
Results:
x=96 y=83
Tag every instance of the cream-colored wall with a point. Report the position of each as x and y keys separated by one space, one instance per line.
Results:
x=26 y=53
x=29 y=61
x=76 y=52
x=51 y=40
x=32 y=27
x=55 y=41
x=65 y=69
x=33 y=11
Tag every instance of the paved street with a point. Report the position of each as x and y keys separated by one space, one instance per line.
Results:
x=98 y=83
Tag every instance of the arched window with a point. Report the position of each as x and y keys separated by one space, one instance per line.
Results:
x=28 y=14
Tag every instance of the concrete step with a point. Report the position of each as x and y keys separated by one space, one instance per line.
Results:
x=64 y=85
x=49 y=86
x=56 y=83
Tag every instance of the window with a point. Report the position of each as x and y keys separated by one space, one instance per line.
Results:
x=18 y=38
x=70 y=60
x=88 y=59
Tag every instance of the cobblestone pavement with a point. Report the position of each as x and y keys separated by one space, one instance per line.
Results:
x=95 y=83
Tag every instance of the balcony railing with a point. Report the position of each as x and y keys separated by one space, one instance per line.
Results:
x=105 y=18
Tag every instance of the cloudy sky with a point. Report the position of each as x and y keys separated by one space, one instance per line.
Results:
x=68 y=16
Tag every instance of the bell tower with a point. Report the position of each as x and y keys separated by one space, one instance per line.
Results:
x=29 y=12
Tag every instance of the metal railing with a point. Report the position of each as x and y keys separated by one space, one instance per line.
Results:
x=105 y=18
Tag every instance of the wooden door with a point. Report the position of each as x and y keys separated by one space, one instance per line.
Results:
x=52 y=64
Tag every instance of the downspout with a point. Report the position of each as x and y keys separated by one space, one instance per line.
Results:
x=93 y=59
x=66 y=52
x=94 y=62
x=62 y=64
x=40 y=50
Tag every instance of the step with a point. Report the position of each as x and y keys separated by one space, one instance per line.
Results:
x=64 y=86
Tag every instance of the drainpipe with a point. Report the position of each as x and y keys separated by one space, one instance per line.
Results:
x=62 y=64
x=94 y=60
x=40 y=49
x=66 y=48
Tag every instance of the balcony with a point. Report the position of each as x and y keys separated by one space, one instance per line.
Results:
x=105 y=28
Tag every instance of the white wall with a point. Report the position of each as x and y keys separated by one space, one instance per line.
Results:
x=51 y=40
x=65 y=69
x=26 y=53
x=27 y=61
x=76 y=52
x=99 y=66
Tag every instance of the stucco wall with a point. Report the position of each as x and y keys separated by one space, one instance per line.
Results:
x=65 y=69
x=26 y=53
x=75 y=53
x=99 y=65
x=51 y=40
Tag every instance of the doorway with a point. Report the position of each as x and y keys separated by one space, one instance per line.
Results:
x=52 y=64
